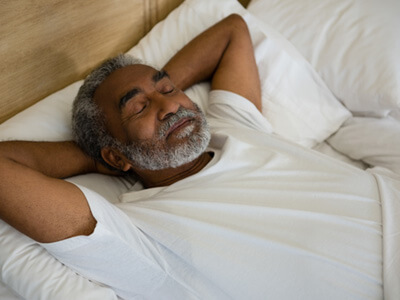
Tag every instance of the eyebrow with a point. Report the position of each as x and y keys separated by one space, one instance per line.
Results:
x=124 y=99
x=132 y=93
x=159 y=75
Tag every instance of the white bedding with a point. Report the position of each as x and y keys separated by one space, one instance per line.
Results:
x=307 y=120
x=389 y=187
x=8 y=294
x=237 y=230
x=353 y=44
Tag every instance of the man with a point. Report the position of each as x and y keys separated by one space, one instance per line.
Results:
x=229 y=55
x=205 y=226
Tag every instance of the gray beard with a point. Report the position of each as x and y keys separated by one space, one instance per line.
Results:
x=155 y=154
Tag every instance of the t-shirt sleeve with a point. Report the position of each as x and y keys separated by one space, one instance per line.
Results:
x=113 y=255
x=227 y=108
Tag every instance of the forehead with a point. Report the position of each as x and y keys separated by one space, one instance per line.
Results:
x=121 y=80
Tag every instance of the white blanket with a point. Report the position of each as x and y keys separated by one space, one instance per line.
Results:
x=389 y=187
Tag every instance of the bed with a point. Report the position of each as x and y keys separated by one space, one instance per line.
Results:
x=330 y=74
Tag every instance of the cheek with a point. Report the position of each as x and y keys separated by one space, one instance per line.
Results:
x=140 y=130
x=115 y=127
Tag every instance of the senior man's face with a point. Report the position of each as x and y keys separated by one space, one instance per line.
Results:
x=158 y=124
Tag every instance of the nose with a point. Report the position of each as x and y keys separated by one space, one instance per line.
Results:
x=166 y=106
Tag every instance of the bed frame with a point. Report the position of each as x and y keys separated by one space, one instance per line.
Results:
x=48 y=44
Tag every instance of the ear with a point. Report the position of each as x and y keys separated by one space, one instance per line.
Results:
x=115 y=159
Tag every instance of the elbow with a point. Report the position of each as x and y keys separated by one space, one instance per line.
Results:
x=52 y=231
x=236 y=20
x=237 y=25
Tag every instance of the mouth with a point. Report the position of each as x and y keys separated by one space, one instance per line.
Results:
x=180 y=124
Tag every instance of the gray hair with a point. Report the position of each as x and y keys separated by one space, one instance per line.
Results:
x=88 y=124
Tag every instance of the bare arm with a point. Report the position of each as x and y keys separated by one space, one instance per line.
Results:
x=34 y=200
x=224 y=54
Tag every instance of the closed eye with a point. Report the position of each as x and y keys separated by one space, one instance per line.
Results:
x=136 y=107
x=169 y=90
x=141 y=110
x=133 y=110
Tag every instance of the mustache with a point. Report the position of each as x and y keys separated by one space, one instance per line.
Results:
x=180 y=114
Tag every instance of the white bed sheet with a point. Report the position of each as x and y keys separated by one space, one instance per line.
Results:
x=389 y=186
x=327 y=149
x=50 y=128
x=7 y=293
x=375 y=141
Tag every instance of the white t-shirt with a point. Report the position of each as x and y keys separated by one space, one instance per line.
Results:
x=264 y=219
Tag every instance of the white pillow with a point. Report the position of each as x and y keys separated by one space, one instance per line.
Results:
x=353 y=44
x=50 y=120
x=295 y=100
x=375 y=141
x=47 y=120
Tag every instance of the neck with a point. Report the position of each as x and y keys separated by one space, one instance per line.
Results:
x=169 y=176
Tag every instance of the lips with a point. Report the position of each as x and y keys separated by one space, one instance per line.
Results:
x=178 y=125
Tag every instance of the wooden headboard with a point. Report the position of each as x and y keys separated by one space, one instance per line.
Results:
x=48 y=44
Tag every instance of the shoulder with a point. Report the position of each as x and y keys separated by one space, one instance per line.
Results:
x=231 y=109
